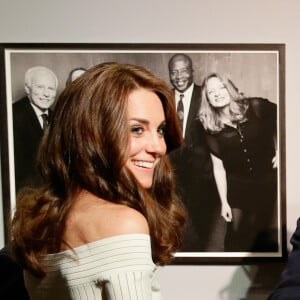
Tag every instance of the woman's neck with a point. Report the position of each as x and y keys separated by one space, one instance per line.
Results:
x=225 y=116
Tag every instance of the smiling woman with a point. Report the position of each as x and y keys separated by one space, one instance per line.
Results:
x=107 y=210
x=147 y=125
x=217 y=93
x=242 y=137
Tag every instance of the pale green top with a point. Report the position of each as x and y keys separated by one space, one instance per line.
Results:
x=114 y=268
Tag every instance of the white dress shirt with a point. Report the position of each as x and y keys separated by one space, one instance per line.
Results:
x=186 y=104
x=39 y=114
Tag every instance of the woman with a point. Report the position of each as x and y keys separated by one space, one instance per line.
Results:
x=241 y=135
x=107 y=206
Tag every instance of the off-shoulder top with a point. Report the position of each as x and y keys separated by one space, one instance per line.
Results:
x=114 y=268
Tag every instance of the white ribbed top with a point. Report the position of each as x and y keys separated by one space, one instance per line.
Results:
x=114 y=268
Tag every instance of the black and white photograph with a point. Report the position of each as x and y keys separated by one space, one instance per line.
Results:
x=229 y=171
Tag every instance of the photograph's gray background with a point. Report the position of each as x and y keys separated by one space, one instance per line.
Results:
x=173 y=21
x=254 y=73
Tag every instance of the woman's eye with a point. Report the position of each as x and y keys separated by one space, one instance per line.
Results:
x=137 y=130
x=161 y=130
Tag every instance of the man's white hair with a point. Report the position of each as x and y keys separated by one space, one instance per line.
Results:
x=31 y=71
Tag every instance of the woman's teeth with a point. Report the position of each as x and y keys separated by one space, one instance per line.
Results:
x=144 y=164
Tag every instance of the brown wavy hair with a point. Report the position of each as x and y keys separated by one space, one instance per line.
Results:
x=85 y=147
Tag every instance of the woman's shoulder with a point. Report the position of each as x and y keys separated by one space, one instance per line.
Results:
x=127 y=219
x=93 y=218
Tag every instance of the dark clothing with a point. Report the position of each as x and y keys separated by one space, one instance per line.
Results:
x=289 y=285
x=193 y=113
x=11 y=278
x=247 y=152
x=27 y=133
x=195 y=182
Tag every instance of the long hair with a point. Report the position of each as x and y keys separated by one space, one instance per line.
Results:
x=210 y=116
x=86 y=147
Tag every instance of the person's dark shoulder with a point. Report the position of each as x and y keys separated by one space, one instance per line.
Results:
x=11 y=277
x=197 y=88
x=257 y=102
x=288 y=287
x=262 y=107
x=19 y=105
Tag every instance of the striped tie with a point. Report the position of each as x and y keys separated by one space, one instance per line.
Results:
x=180 y=111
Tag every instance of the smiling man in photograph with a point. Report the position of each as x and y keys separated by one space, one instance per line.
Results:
x=31 y=116
x=192 y=165
x=187 y=93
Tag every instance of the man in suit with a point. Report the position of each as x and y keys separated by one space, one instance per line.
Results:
x=182 y=79
x=31 y=115
x=192 y=163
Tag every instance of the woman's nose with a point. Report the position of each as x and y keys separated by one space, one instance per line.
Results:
x=156 y=144
x=217 y=93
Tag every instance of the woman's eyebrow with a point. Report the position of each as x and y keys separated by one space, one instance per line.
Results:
x=140 y=120
x=146 y=122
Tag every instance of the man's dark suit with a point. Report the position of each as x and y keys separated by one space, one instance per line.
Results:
x=27 y=133
x=194 y=179
x=289 y=285
x=193 y=113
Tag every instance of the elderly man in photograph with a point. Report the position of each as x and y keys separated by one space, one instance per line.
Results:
x=31 y=116
x=192 y=165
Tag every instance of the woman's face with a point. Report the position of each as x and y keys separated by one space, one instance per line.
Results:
x=217 y=93
x=146 y=120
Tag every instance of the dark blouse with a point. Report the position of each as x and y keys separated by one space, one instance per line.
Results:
x=247 y=152
x=248 y=149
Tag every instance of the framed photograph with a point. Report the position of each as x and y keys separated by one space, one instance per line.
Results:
x=230 y=99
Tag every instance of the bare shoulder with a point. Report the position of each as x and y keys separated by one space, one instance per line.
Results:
x=129 y=220
x=93 y=219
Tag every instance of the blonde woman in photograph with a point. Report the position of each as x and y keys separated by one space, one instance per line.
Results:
x=241 y=134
